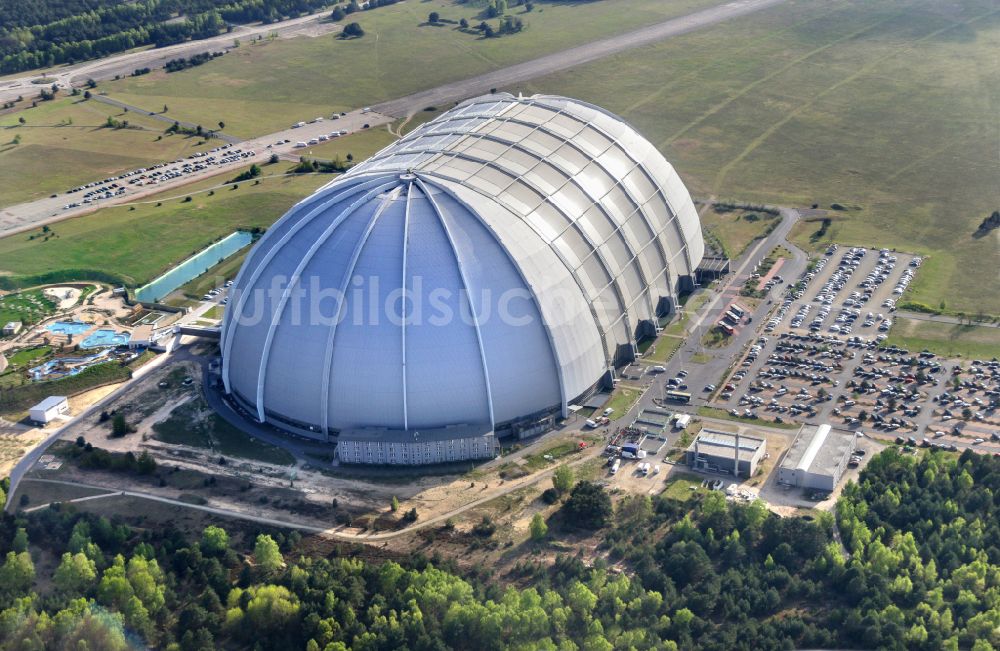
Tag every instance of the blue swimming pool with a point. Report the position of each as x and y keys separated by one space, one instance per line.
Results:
x=105 y=338
x=68 y=327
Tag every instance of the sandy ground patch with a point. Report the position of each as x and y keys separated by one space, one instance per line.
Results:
x=106 y=301
x=65 y=297
x=82 y=401
x=14 y=446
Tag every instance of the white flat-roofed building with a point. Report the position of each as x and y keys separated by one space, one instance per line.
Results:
x=47 y=410
x=817 y=457
x=716 y=451
x=12 y=328
x=142 y=337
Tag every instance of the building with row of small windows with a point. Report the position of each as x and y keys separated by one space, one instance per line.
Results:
x=726 y=453
x=443 y=445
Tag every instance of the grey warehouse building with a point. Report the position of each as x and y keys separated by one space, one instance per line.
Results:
x=817 y=457
x=482 y=273
x=716 y=451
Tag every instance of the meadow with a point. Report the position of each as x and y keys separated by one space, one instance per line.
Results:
x=735 y=230
x=138 y=242
x=112 y=239
x=888 y=108
x=950 y=340
x=28 y=307
x=65 y=142
x=263 y=87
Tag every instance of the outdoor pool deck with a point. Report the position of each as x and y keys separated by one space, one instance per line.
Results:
x=69 y=327
x=105 y=337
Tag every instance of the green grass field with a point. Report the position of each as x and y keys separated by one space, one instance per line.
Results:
x=887 y=106
x=27 y=307
x=968 y=341
x=261 y=88
x=28 y=355
x=683 y=488
x=738 y=229
x=119 y=240
x=360 y=145
x=537 y=461
x=193 y=424
x=64 y=143
x=622 y=399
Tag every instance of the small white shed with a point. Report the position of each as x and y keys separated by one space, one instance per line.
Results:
x=47 y=410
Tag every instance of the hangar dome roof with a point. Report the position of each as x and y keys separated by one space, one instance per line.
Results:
x=551 y=209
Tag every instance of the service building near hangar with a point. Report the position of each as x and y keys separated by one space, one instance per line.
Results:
x=817 y=458
x=530 y=242
x=727 y=453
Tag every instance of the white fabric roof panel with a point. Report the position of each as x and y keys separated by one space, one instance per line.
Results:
x=551 y=201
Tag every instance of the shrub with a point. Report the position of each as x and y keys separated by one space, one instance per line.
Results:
x=485 y=527
x=353 y=30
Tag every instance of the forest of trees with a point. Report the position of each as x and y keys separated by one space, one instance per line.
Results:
x=921 y=570
x=43 y=33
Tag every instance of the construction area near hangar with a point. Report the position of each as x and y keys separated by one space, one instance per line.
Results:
x=817 y=458
x=547 y=206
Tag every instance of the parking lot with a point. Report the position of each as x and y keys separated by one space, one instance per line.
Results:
x=848 y=292
x=883 y=391
x=118 y=185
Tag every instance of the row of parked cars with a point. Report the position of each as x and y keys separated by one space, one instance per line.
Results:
x=196 y=162
x=212 y=293
x=320 y=138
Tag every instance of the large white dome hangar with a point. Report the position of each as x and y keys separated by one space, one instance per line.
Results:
x=469 y=281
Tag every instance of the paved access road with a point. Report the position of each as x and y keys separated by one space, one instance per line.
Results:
x=720 y=359
x=506 y=77
x=124 y=64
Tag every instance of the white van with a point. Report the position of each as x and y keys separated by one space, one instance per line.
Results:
x=615 y=466
x=300 y=144
x=591 y=423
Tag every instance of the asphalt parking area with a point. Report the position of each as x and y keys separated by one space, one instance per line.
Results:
x=849 y=292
